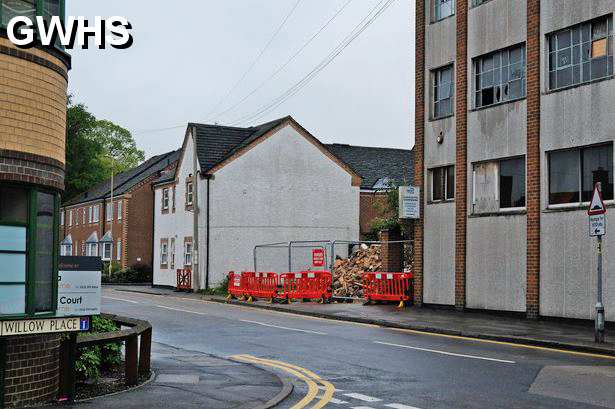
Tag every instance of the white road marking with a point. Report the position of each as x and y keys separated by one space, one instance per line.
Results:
x=121 y=299
x=364 y=398
x=435 y=351
x=400 y=406
x=180 y=310
x=337 y=401
x=286 y=328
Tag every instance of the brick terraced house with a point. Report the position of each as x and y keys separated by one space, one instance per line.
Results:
x=514 y=126
x=380 y=169
x=121 y=229
x=33 y=84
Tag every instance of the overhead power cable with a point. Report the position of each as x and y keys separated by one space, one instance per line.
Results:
x=256 y=60
x=373 y=15
x=287 y=63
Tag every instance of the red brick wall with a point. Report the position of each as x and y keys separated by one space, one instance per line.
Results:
x=533 y=159
x=461 y=171
x=391 y=253
x=140 y=227
x=419 y=136
x=370 y=203
x=32 y=369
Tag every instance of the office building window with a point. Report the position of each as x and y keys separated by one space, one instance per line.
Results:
x=443 y=9
x=443 y=90
x=581 y=54
x=499 y=77
x=442 y=183
x=498 y=185
x=573 y=174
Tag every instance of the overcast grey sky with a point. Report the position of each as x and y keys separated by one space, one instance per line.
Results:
x=188 y=54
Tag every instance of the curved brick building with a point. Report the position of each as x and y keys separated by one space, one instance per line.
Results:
x=33 y=85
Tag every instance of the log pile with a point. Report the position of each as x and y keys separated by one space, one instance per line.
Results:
x=347 y=273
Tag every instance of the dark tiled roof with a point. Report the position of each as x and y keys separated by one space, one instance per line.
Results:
x=125 y=181
x=216 y=143
x=373 y=164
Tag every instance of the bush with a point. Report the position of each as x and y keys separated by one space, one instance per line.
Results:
x=220 y=289
x=94 y=360
x=137 y=274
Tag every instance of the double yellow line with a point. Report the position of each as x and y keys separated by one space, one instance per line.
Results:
x=310 y=378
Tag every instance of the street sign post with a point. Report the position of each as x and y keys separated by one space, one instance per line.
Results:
x=597 y=228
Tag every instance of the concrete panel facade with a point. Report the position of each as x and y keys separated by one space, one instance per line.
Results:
x=574 y=117
x=439 y=254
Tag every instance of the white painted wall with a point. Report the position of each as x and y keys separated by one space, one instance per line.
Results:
x=283 y=189
x=178 y=225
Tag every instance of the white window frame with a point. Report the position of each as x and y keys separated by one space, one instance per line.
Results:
x=92 y=250
x=164 y=253
x=190 y=193
x=497 y=190
x=446 y=187
x=66 y=249
x=118 y=253
x=120 y=208
x=90 y=215
x=165 y=198
x=109 y=212
x=172 y=253
x=70 y=218
x=107 y=246
x=62 y=218
x=437 y=7
x=188 y=254
x=436 y=84
x=96 y=216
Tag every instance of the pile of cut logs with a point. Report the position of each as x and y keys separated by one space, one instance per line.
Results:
x=348 y=273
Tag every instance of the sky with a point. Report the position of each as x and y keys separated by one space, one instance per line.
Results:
x=189 y=58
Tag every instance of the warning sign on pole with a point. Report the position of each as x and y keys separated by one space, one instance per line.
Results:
x=597 y=204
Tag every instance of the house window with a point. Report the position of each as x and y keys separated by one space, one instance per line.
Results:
x=28 y=251
x=581 y=54
x=70 y=218
x=109 y=211
x=164 y=253
x=443 y=9
x=165 y=199
x=189 y=193
x=92 y=250
x=574 y=173
x=188 y=254
x=443 y=89
x=118 y=253
x=76 y=217
x=120 y=206
x=96 y=217
x=90 y=214
x=442 y=183
x=62 y=218
x=66 y=250
x=173 y=253
x=107 y=251
x=499 y=77
x=498 y=185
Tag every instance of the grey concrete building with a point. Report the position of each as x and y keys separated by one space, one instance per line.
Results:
x=514 y=126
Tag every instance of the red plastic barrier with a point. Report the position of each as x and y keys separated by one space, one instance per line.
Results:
x=307 y=285
x=261 y=285
x=184 y=279
x=387 y=286
x=236 y=286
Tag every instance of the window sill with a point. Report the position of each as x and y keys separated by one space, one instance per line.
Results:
x=432 y=22
x=569 y=87
x=432 y=119
x=575 y=207
x=500 y=213
x=498 y=104
x=438 y=202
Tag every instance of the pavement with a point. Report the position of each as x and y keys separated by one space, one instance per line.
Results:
x=575 y=336
x=192 y=379
x=336 y=363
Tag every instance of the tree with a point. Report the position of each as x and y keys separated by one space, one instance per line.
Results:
x=95 y=148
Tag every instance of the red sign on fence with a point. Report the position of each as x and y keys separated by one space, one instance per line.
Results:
x=318 y=257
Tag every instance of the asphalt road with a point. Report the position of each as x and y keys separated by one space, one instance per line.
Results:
x=374 y=367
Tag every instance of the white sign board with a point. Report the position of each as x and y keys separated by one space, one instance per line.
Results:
x=79 y=287
x=597 y=225
x=409 y=202
x=44 y=326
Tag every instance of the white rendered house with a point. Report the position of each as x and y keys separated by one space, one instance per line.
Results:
x=248 y=186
